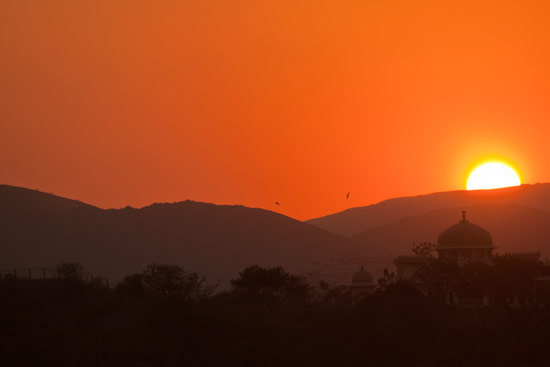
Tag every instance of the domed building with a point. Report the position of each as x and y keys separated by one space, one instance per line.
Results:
x=362 y=282
x=465 y=242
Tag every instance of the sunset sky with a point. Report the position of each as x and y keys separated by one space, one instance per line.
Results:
x=121 y=103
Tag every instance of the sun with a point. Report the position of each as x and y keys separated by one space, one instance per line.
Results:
x=492 y=176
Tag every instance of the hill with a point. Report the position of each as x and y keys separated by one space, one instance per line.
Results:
x=513 y=228
x=39 y=229
x=356 y=220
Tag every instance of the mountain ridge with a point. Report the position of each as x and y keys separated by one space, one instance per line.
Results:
x=513 y=227
x=39 y=229
x=358 y=219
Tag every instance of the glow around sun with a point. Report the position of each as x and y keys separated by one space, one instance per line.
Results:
x=492 y=176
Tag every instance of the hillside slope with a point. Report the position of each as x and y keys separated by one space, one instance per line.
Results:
x=38 y=229
x=513 y=228
x=356 y=220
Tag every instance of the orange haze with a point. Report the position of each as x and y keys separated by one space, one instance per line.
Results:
x=131 y=102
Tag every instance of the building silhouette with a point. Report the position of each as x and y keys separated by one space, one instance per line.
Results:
x=362 y=282
x=463 y=243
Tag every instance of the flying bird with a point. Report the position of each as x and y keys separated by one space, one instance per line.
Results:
x=277 y=203
x=347 y=196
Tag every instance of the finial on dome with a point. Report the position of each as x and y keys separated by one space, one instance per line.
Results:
x=464 y=216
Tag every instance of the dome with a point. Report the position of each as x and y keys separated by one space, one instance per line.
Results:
x=464 y=235
x=362 y=276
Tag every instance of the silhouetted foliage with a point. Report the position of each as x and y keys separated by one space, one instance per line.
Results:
x=519 y=287
x=424 y=249
x=440 y=277
x=155 y=318
x=132 y=285
x=73 y=271
x=387 y=280
x=474 y=283
x=272 y=285
x=167 y=282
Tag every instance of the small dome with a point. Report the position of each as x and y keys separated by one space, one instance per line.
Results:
x=465 y=234
x=362 y=276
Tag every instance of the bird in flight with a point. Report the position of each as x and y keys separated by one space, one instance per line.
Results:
x=347 y=196
x=277 y=203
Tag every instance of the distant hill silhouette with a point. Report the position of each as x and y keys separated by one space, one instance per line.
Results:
x=513 y=228
x=356 y=220
x=39 y=229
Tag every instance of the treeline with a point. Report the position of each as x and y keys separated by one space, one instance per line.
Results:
x=166 y=316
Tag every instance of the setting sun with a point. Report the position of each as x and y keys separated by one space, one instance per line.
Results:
x=492 y=176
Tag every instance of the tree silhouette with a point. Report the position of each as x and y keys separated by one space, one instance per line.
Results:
x=167 y=282
x=424 y=249
x=273 y=285
x=519 y=287
x=70 y=271
x=387 y=280
x=441 y=278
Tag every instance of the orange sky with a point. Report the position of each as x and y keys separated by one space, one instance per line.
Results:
x=252 y=102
